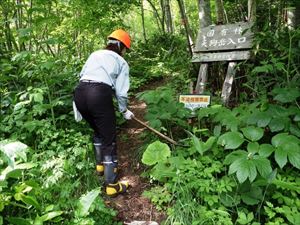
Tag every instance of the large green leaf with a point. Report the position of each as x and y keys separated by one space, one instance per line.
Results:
x=86 y=201
x=294 y=156
x=253 y=147
x=283 y=139
x=244 y=169
x=231 y=140
x=156 y=152
x=286 y=95
x=279 y=139
x=27 y=199
x=230 y=158
x=261 y=119
x=235 y=166
x=287 y=147
x=263 y=166
x=276 y=124
x=248 y=167
x=253 y=133
x=266 y=150
x=253 y=196
x=280 y=157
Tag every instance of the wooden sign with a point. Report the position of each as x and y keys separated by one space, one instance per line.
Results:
x=224 y=37
x=195 y=101
x=221 y=56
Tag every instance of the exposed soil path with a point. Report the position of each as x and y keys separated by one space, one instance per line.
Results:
x=132 y=206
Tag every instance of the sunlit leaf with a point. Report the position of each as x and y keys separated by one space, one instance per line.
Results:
x=156 y=152
x=51 y=215
x=13 y=150
x=85 y=202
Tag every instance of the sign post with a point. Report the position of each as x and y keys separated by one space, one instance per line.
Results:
x=231 y=43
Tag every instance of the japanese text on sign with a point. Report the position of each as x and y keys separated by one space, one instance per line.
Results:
x=224 y=37
x=195 y=101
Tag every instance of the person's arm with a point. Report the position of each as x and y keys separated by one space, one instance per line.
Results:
x=122 y=87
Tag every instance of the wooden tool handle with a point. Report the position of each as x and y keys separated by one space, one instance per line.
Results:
x=155 y=131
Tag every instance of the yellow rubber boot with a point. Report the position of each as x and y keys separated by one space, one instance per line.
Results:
x=112 y=190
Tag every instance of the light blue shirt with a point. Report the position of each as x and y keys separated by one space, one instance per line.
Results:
x=108 y=67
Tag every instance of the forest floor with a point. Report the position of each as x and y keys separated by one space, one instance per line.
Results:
x=132 y=206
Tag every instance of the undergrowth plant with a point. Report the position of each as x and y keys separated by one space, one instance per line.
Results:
x=241 y=166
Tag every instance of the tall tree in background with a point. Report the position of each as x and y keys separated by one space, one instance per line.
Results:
x=204 y=13
x=251 y=10
x=188 y=31
x=204 y=21
x=167 y=15
x=143 y=20
x=220 y=12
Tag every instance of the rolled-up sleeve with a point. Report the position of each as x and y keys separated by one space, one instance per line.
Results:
x=122 y=87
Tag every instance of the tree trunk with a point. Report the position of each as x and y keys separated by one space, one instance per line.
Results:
x=220 y=12
x=204 y=13
x=185 y=22
x=251 y=10
x=204 y=21
x=9 y=38
x=168 y=16
x=143 y=20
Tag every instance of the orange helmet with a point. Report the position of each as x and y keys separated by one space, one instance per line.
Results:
x=122 y=36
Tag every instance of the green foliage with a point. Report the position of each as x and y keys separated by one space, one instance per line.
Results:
x=173 y=113
x=275 y=69
x=257 y=142
x=156 y=152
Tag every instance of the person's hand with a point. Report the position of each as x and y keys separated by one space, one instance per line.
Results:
x=128 y=114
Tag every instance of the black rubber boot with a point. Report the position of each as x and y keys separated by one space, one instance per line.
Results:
x=99 y=156
x=112 y=187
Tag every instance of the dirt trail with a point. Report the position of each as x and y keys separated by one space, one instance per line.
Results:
x=132 y=205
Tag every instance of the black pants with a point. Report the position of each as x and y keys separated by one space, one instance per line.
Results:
x=95 y=103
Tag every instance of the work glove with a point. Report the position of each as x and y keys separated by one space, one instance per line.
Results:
x=128 y=114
